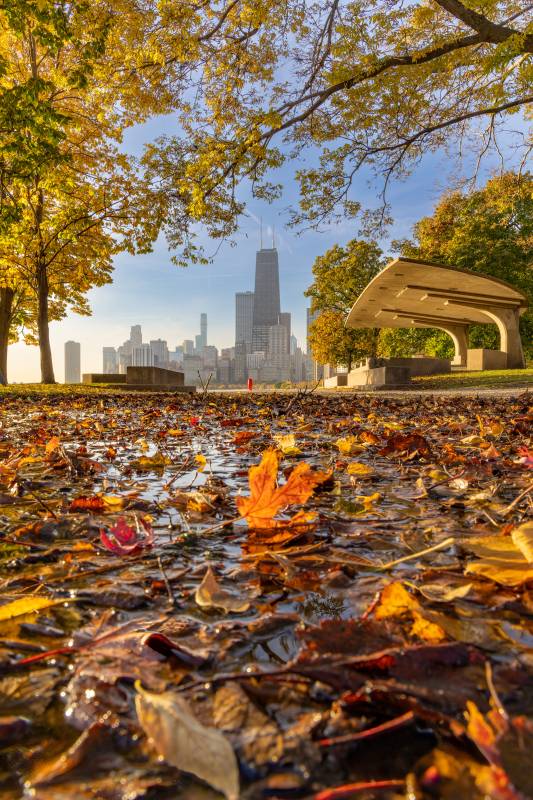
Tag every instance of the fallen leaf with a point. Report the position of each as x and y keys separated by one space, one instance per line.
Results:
x=187 y=744
x=266 y=499
x=347 y=444
x=499 y=559
x=210 y=594
x=523 y=539
x=287 y=444
x=155 y=462
x=359 y=470
x=395 y=601
x=26 y=605
x=123 y=539
x=201 y=462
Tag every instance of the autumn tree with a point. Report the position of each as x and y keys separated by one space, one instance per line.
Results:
x=374 y=85
x=340 y=275
x=77 y=202
x=488 y=230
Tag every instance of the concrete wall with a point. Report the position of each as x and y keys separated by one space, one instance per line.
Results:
x=422 y=365
x=154 y=376
x=336 y=380
x=379 y=376
x=103 y=377
x=486 y=359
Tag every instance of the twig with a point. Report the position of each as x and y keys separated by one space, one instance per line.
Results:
x=43 y=504
x=515 y=502
x=369 y=733
x=440 y=546
x=347 y=791
x=167 y=584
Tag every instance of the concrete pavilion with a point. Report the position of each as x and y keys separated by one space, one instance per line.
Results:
x=416 y=294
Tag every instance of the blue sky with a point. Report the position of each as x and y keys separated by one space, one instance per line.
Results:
x=167 y=300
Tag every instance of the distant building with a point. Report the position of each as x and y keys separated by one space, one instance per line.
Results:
x=124 y=357
x=203 y=330
x=284 y=318
x=244 y=315
x=109 y=361
x=188 y=347
x=294 y=344
x=159 y=351
x=209 y=356
x=72 y=362
x=142 y=356
x=278 y=340
x=136 y=337
x=266 y=297
x=198 y=346
x=192 y=365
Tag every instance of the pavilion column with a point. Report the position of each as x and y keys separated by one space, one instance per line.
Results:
x=459 y=335
x=507 y=320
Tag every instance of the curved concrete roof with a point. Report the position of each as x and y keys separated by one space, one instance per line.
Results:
x=416 y=294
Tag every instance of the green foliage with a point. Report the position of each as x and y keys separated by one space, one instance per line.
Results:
x=340 y=275
x=488 y=230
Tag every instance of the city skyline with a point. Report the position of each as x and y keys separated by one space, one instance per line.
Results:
x=169 y=299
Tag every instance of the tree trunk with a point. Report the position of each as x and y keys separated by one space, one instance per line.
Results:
x=47 y=367
x=6 y=310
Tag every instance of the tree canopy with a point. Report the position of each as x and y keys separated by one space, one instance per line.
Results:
x=357 y=84
x=488 y=230
x=340 y=275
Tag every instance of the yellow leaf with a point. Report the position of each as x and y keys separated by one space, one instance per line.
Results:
x=157 y=461
x=26 y=605
x=523 y=539
x=347 y=444
x=499 y=559
x=52 y=445
x=287 y=444
x=201 y=460
x=360 y=470
x=395 y=601
x=369 y=500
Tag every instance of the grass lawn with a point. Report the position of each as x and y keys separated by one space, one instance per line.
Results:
x=489 y=379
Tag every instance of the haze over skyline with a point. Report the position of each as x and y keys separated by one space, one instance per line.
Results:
x=167 y=300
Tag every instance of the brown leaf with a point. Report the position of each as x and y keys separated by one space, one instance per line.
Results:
x=187 y=744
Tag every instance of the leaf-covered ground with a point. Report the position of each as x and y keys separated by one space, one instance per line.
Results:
x=266 y=597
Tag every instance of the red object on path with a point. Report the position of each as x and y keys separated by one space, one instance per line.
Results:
x=250 y=384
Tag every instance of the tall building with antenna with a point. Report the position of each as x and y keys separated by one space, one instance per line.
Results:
x=266 y=295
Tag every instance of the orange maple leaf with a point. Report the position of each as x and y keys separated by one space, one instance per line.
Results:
x=266 y=499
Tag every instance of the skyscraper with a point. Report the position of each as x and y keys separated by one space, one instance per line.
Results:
x=110 y=360
x=72 y=362
x=244 y=316
x=284 y=319
x=266 y=297
x=142 y=356
x=203 y=330
x=136 y=337
x=159 y=351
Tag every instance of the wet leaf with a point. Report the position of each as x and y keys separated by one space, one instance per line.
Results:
x=156 y=462
x=523 y=539
x=499 y=559
x=187 y=744
x=287 y=444
x=266 y=499
x=360 y=470
x=210 y=594
x=26 y=605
